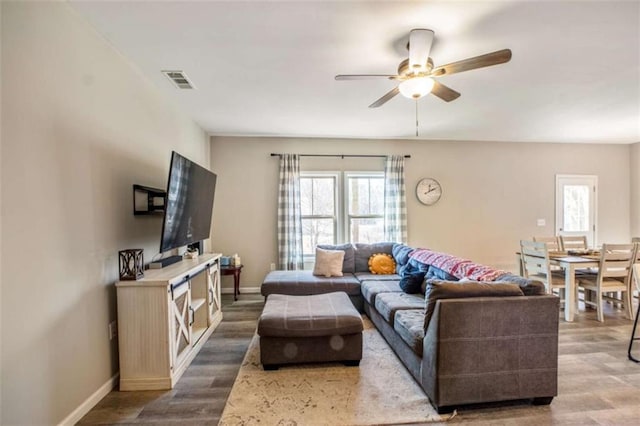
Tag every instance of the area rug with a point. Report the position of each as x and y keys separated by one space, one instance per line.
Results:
x=380 y=391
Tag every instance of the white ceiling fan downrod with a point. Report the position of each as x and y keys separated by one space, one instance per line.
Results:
x=416 y=117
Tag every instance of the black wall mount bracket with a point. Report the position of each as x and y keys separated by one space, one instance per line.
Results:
x=148 y=201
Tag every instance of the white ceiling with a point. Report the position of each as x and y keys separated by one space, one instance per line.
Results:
x=266 y=68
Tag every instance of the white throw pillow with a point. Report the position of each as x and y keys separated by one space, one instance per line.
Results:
x=328 y=263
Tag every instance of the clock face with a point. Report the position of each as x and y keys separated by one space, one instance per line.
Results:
x=428 y=191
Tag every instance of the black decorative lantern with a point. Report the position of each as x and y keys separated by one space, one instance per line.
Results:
x=131 y=264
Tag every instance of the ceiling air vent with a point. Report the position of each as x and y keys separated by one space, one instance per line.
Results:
x=179 y=78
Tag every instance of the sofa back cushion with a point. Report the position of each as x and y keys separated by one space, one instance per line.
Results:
x=438 y=289
x=365 y=251
x=401 y=254
x=528 y=286
x=348 y=263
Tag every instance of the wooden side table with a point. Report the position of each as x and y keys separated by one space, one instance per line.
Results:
x=235 y=271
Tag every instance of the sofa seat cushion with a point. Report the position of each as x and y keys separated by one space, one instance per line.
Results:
x=308 y=316
x=299 y=283
x=368 y=276
x=409 y=324
x=372 y=288
x=387 y=304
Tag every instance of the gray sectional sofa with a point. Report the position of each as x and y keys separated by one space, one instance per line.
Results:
x=463 y=341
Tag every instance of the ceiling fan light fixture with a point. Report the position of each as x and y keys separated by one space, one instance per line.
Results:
x=417 y=87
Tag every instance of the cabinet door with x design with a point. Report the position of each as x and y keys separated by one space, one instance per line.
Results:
x=181 y=323
x=164 y=319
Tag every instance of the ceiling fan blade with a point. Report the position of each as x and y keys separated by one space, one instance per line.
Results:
x=420 y=41
x=493 y=58
x=387 y=96
x=364 y=76
x=443 y=92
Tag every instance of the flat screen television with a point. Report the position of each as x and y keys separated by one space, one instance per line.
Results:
x=189 y=204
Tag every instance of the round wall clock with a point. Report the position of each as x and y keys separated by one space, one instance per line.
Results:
x=428 y=191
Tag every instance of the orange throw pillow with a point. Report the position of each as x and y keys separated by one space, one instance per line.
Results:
x=382 y=264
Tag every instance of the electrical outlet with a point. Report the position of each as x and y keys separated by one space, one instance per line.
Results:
x=541 y=222
x=113 y=330
x=273 y=266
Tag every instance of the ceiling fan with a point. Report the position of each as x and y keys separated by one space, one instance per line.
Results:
x=417 y=74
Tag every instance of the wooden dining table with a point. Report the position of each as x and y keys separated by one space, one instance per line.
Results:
x=570 y=264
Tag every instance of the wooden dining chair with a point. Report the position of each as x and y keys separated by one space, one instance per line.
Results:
x=535 y=265
x=636 y=279
x=573 y=242
x=614 y=275
x=553 y=243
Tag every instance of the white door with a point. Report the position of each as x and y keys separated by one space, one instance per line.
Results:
x=576 y=201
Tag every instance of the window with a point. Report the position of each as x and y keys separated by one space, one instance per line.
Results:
x=318 y=210
x=365 y=213
x=576 y=206
x=334 y=214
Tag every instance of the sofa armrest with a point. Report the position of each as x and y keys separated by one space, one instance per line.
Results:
x=491 y=349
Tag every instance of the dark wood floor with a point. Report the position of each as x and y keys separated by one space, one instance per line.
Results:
x=597 y=384
x=200 y=395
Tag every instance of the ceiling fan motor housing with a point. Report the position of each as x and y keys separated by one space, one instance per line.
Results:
x=405 y=71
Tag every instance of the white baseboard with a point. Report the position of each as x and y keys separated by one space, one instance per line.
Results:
x=90 y=402
x=244 y=290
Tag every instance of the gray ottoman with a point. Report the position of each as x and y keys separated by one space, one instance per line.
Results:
x=316 y=328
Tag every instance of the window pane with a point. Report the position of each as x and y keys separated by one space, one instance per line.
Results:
x=366 y=230
x=377 y=196
x=576 y=208
x=323 y=197
x=358 y=196
x=366 y=195
x=306 y=195
x=314 y=232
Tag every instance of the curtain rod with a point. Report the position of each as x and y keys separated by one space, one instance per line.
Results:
x=339 y=155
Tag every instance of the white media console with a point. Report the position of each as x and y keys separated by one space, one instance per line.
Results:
x=164 y=319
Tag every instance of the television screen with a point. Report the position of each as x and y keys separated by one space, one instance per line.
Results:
x=189 y=203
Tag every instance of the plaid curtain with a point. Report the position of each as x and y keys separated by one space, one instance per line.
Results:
x=289 y=215
x=395 y=201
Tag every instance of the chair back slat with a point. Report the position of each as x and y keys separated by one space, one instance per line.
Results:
x=616 y=261
x=553 y=243
x=636 y=275
x=573 y=242
x=636 y=241
x=535 y=260
x=533 y=268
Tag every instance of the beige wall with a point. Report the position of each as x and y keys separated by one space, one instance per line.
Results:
x=493 y=192
x=80 y=126
x=1 y=209
x=634 y=164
